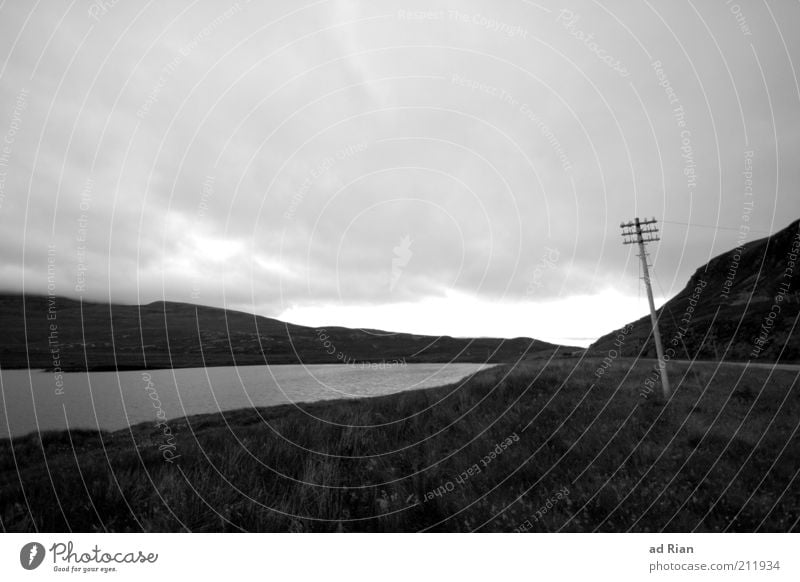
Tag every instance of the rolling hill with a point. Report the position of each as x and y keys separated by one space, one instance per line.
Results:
x=741 y=305
x=52 y=332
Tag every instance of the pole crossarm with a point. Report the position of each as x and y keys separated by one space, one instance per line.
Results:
x=633 y=233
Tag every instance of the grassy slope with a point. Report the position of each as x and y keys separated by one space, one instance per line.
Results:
x=725 y=326
x=721 y=455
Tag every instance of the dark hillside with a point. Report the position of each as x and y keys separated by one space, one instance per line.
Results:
x=741 y=305
x=47 y=332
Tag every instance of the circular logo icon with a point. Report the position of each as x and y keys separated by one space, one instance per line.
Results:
x=31 y=555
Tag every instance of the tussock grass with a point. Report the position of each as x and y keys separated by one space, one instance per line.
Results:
x=721 y=455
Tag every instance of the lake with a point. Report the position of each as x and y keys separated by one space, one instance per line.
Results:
x=32 y=400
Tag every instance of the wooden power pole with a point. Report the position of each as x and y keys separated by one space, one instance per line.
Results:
x=635 y=234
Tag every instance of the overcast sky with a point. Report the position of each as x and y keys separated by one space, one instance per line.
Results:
x=453 y=168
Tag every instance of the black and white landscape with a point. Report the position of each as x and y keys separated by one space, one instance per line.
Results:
x=357 y=267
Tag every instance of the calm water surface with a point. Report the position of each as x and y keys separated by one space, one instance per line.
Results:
x=32 y=400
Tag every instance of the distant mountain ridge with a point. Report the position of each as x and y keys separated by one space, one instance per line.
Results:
x=741 y=305
x=60 y=333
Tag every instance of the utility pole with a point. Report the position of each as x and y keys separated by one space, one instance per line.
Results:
x=635 y=234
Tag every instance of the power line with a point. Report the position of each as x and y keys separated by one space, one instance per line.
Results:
x=714 y=227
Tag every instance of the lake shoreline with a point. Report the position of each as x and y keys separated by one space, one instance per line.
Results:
x=370 y=363
x=40 y=401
